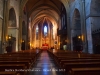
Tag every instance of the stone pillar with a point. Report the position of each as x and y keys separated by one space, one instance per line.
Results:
x=48 y=35
x=50 y=38
x=83 y=27
x=89 y=35
x=40 y=36
x=1 y=44
x=20 y=31
x=69 y=39
x=27 y=31
x=55 y=39
x=72 y=33
x=51 y=31
x=57 y=42
x=5 y=24
x=33 y=36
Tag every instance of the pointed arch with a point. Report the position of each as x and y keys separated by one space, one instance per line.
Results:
x=12 y=18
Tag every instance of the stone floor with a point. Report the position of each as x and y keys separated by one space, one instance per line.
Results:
x=45 y=66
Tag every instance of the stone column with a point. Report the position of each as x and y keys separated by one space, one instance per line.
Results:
x=34 y=36
x=20 y=30
x=39 y=37
x=49 y=36
x=55 y=40
x=58 y=42
x=51 y=31
x=83 y=27
x=1 y=43
x=5 y=24
x=52 y=36
x=42 y=35
x=27 y=31
x=89 y=35
x=72 y=33
x=69 y=39
x=30 y=34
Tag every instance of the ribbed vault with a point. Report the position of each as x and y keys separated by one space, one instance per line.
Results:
x=41 y=11
x=38 y=9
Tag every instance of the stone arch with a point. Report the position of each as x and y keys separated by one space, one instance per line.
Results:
x=12 y=29
x=64 y=2
x=12 y=18
x=95 y=25
x=65 y=5
x=76 y=26
x=76 y=31
x=63 y=28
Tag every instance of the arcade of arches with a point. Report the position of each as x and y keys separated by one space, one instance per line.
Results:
x=47 y=24
x=49 y=37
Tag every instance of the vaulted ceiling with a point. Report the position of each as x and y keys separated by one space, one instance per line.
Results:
x=33 y=5
x=38 y=9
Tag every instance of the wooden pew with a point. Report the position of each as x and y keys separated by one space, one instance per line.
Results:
x=33 y=58
x=13 y=67
x=85 y=71
x=77 y=60
x=16 y=61
x=60 y=56
x=64 y=58
x=27 y=64
x=9 y=73
x=28 y=61
x=69 y=66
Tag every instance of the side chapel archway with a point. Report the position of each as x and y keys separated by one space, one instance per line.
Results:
x=12 y=30
x=76 y=31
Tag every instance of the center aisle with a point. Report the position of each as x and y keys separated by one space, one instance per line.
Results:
x=45 y=66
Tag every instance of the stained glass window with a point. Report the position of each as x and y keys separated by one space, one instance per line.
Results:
x=45 y=30
x=37 y=31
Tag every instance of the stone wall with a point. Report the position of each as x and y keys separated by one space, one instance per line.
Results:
x=1 y=23
x=1 y=8
x=16 y=5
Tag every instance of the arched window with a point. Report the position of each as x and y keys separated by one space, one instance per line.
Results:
x=45 y=30
x=12 y=18
x=37 y=32
x=37 y=29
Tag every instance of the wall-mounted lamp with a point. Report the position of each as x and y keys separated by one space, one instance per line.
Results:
x=79 y=37
x=10 y=39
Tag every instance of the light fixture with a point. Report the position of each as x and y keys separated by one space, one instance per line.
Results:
x=9 y=37
x=79 y=37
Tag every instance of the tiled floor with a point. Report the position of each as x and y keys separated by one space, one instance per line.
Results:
x=45 y=66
